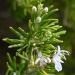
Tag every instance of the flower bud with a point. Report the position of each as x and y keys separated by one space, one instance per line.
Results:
x=38 y=19
x=34 y=9
x=46 y=9
x=34 y=44
x=14 y=73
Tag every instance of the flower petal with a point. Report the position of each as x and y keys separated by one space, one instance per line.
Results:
x=48 y=60
x=58 y=66
x=39 y=54
x=59 y=50
x=42 y=62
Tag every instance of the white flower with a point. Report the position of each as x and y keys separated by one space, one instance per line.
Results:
x=57 y=58
x=14 y=73
x=34 y=9
x=46 y=9
x=38 y=19
x=42 y=60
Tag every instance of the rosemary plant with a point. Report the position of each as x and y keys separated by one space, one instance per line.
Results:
x=38 y=49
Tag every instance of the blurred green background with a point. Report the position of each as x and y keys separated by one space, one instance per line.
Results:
x=15 y=16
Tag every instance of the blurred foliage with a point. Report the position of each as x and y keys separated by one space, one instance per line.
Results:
x=20 y=9
x=70 y=13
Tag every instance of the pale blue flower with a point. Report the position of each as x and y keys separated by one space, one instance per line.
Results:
x=57 y=58
x=42 y=60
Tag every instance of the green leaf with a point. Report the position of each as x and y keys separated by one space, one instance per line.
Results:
x=15 y=45
x=16 y=32
x=55 y=41
x=13 y=41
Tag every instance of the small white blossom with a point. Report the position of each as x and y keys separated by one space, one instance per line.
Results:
x=14 y=73
x=57 y=58
x=34 y=9
x=38 y=19
x=42 y=60
x=46 y=9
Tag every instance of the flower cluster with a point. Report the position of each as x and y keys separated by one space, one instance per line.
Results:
x=35 y=10
x=57 y=58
